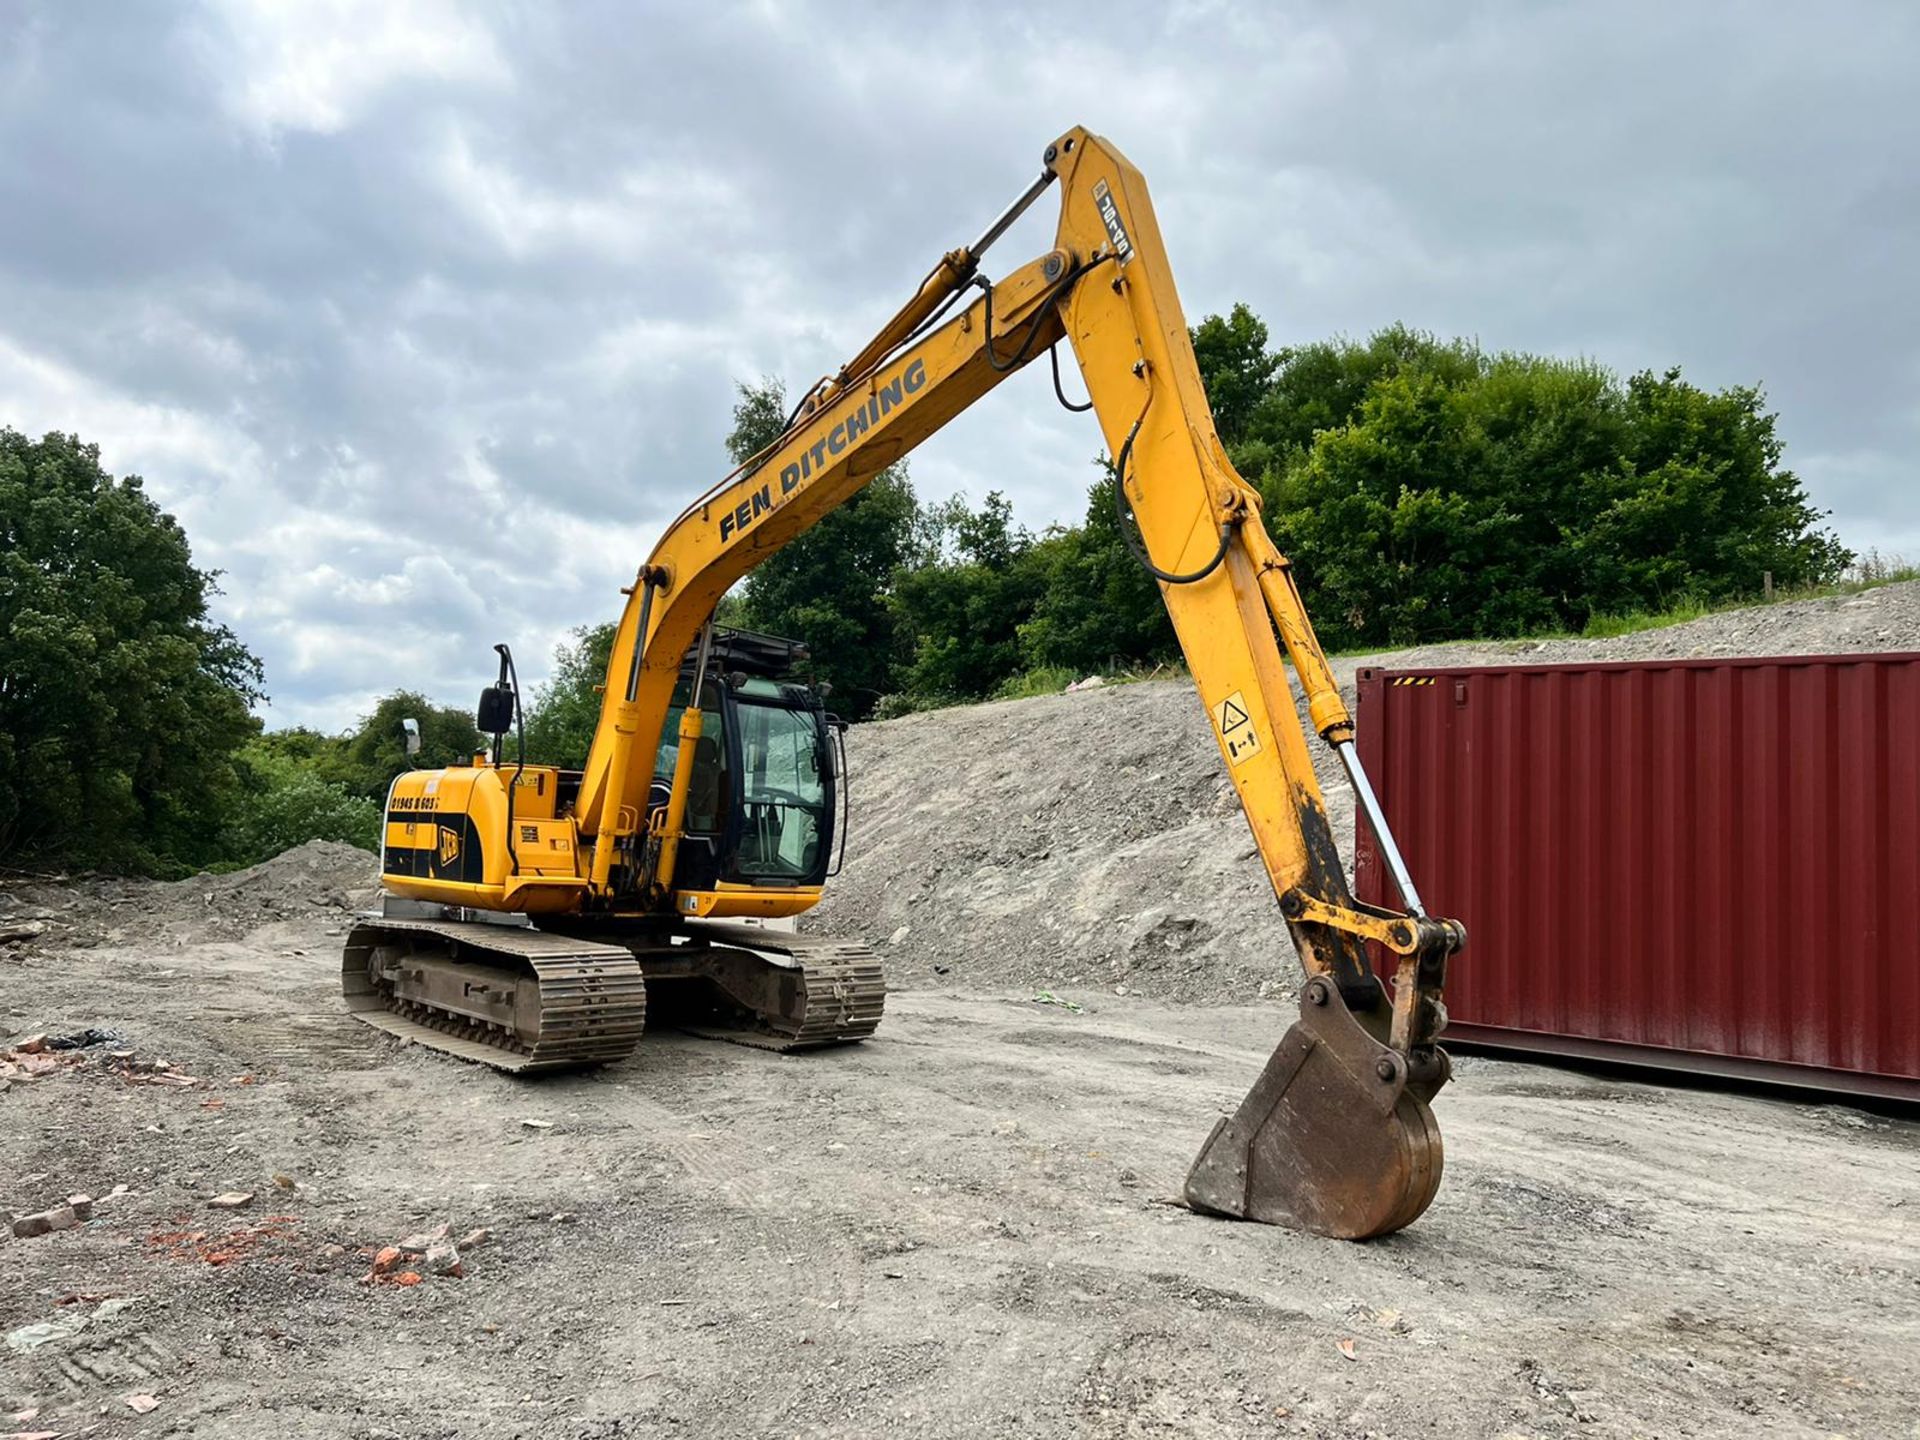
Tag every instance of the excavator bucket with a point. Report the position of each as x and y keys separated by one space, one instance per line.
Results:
x=1330 y=1140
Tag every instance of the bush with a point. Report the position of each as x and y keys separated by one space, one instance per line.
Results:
x=284 y=803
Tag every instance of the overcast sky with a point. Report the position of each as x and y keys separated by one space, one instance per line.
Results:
x=425 y=318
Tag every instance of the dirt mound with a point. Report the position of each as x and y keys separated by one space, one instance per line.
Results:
x=318 y=878
x=1084 y=841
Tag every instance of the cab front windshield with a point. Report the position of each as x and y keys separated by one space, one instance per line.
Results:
x=783 y=792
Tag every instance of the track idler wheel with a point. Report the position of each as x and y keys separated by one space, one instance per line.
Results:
x=1330 y=1139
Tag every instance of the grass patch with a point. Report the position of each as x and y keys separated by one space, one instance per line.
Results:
x=1041 y=680
x=1869 y=572
x=1606 y=627
x=1053 y=679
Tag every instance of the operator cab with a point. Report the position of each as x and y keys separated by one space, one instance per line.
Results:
x=762 y=797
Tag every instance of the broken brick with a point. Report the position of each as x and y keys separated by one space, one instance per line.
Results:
x=425 y=1240
x=443 y=1258
x=44 y=1222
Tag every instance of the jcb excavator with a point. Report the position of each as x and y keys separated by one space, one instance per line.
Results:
x=531 y=913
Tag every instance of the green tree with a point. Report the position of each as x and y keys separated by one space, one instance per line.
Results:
x=285 y=802
x=376 y=750
x=1515 y=493
x=1696 y=503
x=122 y=703
x=829 y=587
x=963 y=611
x=565 y=710
x=1236 y=367
x=1097 y=609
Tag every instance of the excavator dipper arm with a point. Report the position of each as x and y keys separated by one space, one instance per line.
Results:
x=1336 y=1137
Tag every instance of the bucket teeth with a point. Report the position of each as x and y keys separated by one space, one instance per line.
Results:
x=1330 y=1140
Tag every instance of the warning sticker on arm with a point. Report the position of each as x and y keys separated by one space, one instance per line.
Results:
x=1237 y=733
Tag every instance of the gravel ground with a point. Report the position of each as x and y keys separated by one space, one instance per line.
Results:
x=953 y=1230
x=956 y=1229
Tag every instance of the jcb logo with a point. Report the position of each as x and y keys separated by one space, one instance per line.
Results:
x=449 y=846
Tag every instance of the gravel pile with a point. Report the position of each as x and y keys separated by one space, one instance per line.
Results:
x=1091 y=842
x=321 y=877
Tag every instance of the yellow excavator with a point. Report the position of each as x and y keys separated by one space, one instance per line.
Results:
x=531 y=914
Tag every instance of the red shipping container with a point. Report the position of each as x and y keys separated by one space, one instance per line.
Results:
x=1711 y=865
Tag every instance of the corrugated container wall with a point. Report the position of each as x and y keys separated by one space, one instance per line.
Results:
x=1707 y=864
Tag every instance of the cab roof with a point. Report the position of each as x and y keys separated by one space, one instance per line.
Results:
x=750 y=652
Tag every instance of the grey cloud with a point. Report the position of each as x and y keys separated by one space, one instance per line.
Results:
x=426 y=330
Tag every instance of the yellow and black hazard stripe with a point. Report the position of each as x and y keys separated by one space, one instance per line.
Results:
x=1414 y=680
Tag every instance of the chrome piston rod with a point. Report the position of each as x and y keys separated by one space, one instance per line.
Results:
x=1382 y=832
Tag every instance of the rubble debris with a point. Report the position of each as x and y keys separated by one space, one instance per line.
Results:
x=435 y=1251
x=443 y=1258
x=424 y=1241
x=225 y=1249
x=39 y=1055
x=29 y=1338
x=18 y=930
x=32 y=1064
x=143 y=1404
x=386 y=1268
x=1072 y=1007
x=386 y=1261
x=45 y=1222
x=1092 y=682
x=86 y=1039
x=231 y=1200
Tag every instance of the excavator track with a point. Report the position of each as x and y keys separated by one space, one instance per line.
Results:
x=511 y=997
x=796 y=992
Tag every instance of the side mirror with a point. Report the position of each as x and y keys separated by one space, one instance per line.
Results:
x=411 y=728
x=494 y=715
